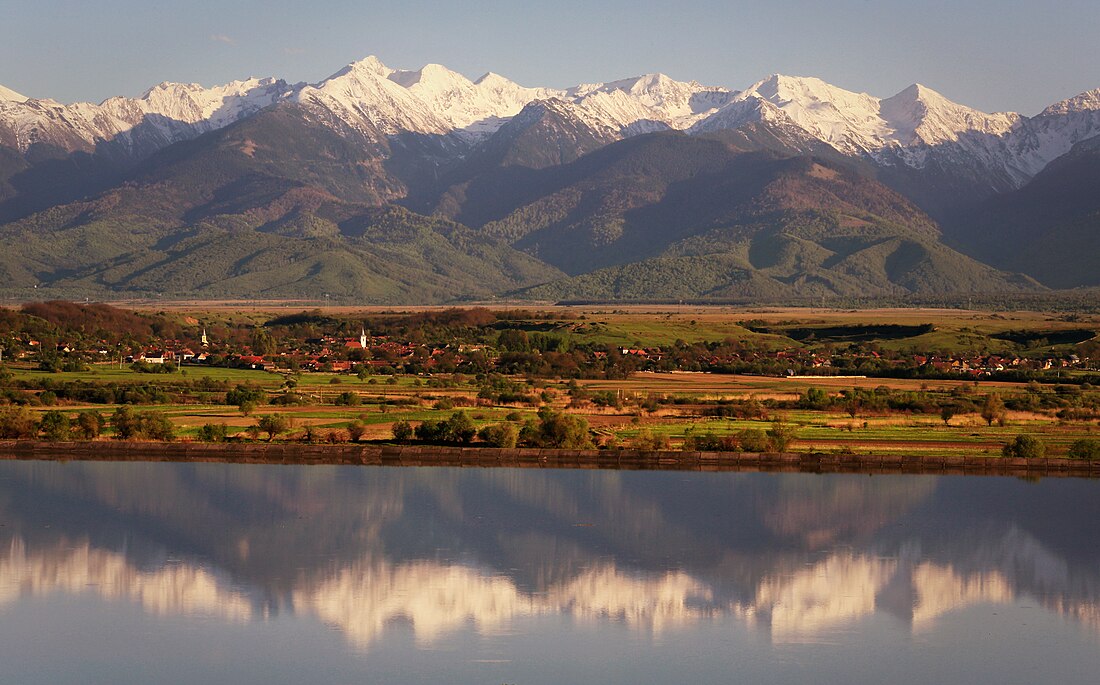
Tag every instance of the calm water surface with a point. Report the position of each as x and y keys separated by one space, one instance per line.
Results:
x=185 y=573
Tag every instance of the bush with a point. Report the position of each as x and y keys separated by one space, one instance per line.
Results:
x=1085 y=448
x=54 y=426
x=557 y=430
x=150 y=425
x=17 y=423
x=458 y=429
x=289 y=399
x=348 y=399
x=356 y=429
x=752 y=440
x=709 y=442
x=648 y=440
x=780 y=436
x=243 y=394
x=124 y=422
x=156 y=425
x=402 y=431
x=499 y=435
x=213 y=432
x=89 y=424
x=1024 y=447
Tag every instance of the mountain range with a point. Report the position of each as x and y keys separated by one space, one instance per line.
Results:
x=393 y=186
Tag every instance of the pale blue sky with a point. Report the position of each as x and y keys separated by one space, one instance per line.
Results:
x=994 y=55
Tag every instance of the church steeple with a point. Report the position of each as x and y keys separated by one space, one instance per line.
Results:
x=205 y=340
x=363 y=338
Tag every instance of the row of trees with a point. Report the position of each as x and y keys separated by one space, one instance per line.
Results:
x=552 y=429
x=20 y=423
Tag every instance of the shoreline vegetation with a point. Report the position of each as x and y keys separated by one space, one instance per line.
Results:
x=281 y=453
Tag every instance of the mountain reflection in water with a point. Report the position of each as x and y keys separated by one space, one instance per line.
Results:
x=443 y=550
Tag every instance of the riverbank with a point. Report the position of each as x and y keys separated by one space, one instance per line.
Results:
x=417 y=455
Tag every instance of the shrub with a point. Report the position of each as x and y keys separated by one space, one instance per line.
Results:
x=242 y=394
x=402 y=431
x=150 y=425
x=1085 y=448
x=89 y=424
x=54 y=425
x=557 y=430
x=458 y=429
x=648 y=440
x=499 y=435
x=348 y=399
x=156 y=425
x=1024 y=446
x=709 y=442
x=780 y=436
x=752 y=440
x=213 y=432
x=356 y=429
x=17 y=423
x=124 y=422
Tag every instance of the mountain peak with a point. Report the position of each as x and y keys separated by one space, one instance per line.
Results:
x=429 y=76
x=1089 y=101
x=9 y=95
x=781 y=88
x=490 y=78
x=369 y=64
x=918 y=92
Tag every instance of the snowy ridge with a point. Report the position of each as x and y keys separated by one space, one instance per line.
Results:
x=435 y=100
x=914 y=128
x=1055 y=130
x=678 y=104
x=165 y=114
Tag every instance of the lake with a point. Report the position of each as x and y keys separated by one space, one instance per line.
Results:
x=222 y=573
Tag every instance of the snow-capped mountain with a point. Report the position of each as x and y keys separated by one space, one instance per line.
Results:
x=915 y=129
x=1053 y=131
x=165 y=114
x=366 y=96
x=437 y=101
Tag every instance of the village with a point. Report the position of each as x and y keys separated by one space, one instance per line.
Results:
x=379 y=354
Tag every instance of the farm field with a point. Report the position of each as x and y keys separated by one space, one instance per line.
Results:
x=558 y=360
x=382 y=403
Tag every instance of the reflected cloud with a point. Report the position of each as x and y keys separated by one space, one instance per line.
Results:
x=846 y=586
x=364 y=598
x=438 y=598
x=174 y=589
